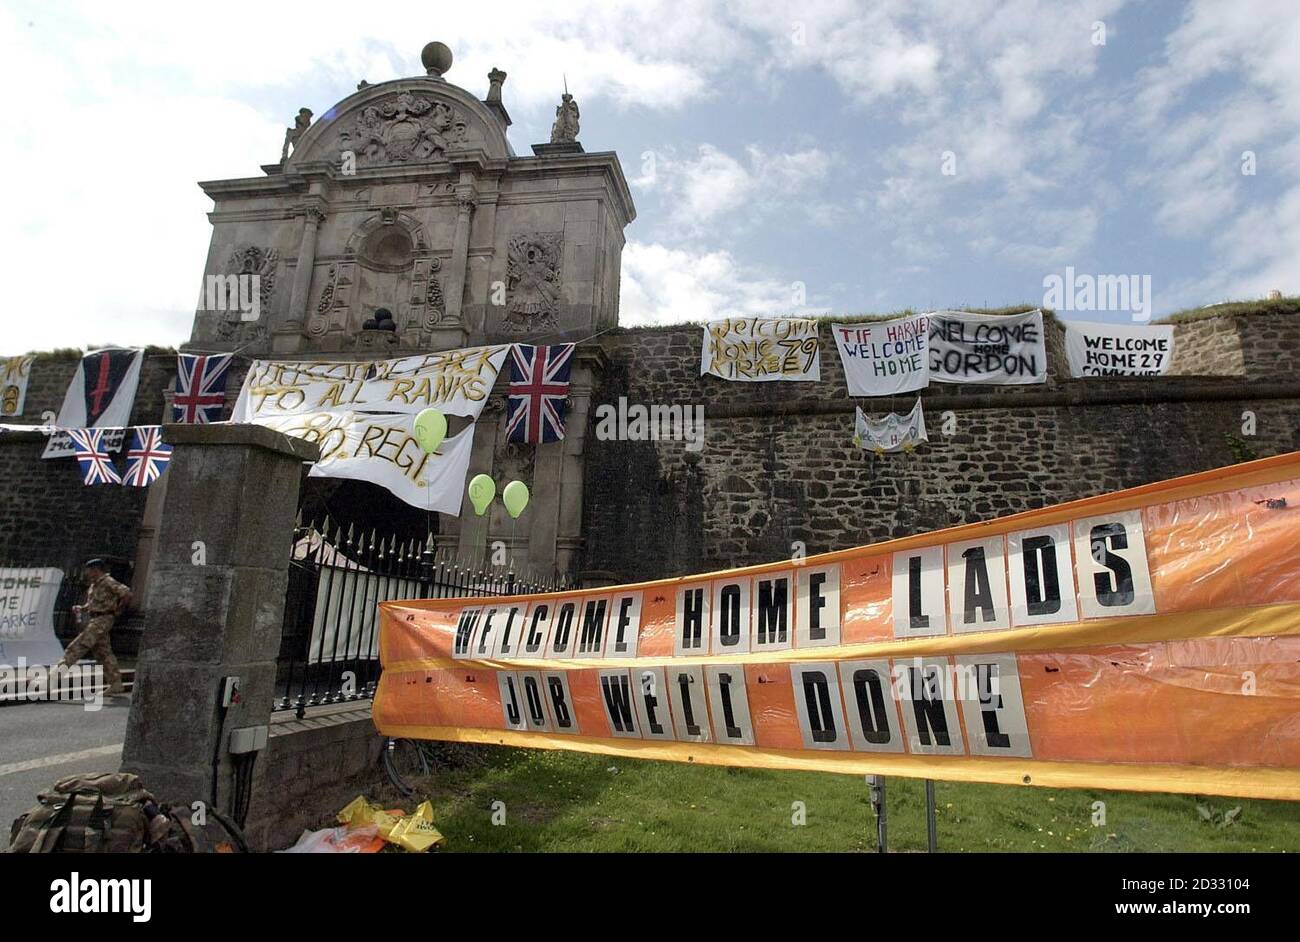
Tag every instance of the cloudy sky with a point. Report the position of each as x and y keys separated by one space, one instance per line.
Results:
x=882 y=155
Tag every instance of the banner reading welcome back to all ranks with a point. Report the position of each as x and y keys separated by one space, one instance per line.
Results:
x=456 y=382
x=1147 y=639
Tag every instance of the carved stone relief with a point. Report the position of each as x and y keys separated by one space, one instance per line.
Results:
x=435 y=304
x=514 y=461
x=386 y=263
x=252 y=260
x=319 y=321
x=533 y=281
x=262 y=263
x=405 y=127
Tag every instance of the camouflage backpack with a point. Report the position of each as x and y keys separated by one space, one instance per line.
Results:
x=113 y=813
x=86 y=814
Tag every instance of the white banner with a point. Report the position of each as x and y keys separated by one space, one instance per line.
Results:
x=761 y=349
x=1118 y=349
x=14 y=373
x=382 y=449
x=987 y=348
x=456 y=382
x=884 y=358
x=60 y=444
x=892 y=433
x=27 y=599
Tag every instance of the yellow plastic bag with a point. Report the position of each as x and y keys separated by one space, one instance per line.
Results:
x=416 y=832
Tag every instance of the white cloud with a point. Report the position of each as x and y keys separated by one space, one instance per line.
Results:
x=714 y=184
x=663 y=285
x=1228 y=83
x=1005 y=87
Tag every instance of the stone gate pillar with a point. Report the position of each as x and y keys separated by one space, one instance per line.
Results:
x=216 y=604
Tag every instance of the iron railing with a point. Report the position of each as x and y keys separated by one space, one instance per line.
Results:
x=329 y=647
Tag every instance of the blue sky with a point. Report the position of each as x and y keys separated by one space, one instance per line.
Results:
x=767 y=144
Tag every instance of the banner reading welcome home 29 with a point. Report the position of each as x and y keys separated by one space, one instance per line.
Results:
x=1147 y=639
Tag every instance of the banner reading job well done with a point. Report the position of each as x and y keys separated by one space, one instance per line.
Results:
x=1147 y=640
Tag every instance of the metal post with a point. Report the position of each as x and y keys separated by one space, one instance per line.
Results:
x=930 y=826
x=877 y=783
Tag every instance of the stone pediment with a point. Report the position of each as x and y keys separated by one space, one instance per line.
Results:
x=407 y=122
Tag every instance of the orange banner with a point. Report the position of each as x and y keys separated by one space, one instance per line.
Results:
x=1147 y=639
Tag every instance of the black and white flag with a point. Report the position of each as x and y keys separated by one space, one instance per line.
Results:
x=100 y=395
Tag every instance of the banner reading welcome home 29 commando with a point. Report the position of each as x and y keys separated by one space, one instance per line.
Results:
x=1147 y=639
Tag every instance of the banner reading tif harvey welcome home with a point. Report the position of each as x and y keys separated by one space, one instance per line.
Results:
x=1147 y=639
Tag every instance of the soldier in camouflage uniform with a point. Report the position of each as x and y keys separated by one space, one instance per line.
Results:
x=106 y=598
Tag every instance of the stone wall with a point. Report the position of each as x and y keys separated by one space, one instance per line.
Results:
x=310 y=767
x=47 y=516
x=1260 y=345
x=778 y=465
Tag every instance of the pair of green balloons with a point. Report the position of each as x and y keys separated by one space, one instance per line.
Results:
x=482 y=489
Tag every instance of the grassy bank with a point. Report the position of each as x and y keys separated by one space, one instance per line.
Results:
x=557 y=801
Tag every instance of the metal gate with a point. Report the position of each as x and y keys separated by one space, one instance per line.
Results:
x=329 y=647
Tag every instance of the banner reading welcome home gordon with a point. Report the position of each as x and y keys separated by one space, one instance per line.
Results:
x=1147 y=640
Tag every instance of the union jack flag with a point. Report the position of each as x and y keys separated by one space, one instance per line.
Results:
x=200 y=389
x=148 y=457
x=96 y=466
x=539 y=392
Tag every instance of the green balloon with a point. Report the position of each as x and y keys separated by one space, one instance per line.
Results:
x=430 y=430
x=515 y=497
x=481 y=491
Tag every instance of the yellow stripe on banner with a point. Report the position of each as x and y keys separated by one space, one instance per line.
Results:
x=1271 y=783
x=1253 y=622
x=1259 y=473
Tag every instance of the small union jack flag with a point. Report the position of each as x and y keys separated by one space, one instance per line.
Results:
x=539 y=392
x=96 y=466
x=148 y=457
x=200 y=389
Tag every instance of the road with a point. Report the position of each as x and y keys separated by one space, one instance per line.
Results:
x=42 y=742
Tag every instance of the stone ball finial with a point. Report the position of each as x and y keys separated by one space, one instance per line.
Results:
x=436 y=58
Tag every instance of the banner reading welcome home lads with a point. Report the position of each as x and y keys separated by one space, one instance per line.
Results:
x=1147 y=639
